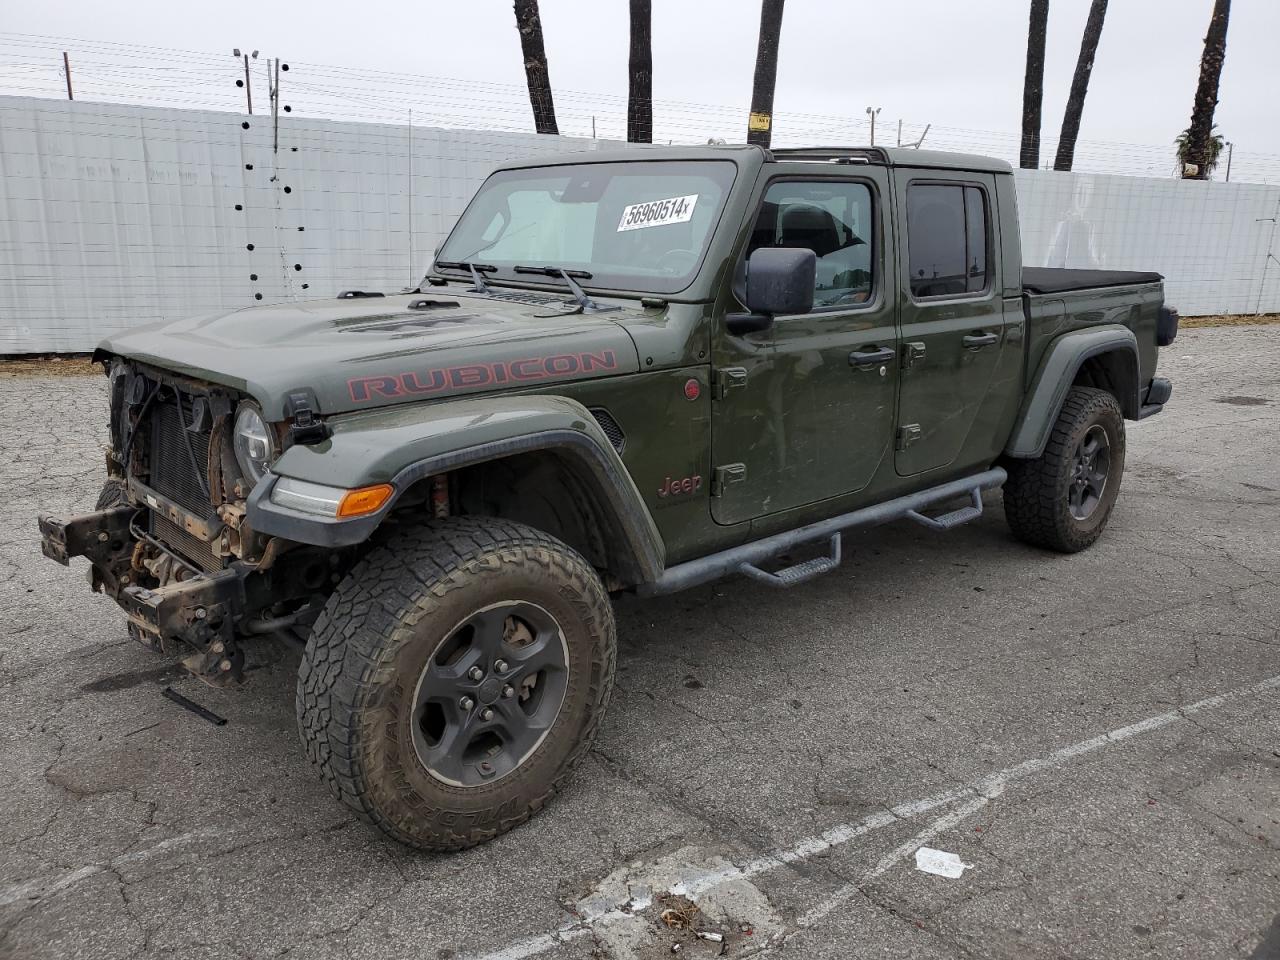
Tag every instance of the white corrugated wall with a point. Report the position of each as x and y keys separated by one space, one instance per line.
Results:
x=114 y=215
x=118 y=215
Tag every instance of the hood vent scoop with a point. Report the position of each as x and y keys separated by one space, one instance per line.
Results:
x=432 y=304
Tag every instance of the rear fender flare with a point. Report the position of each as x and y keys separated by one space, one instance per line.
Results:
x=402 y=446
x=1057 y=372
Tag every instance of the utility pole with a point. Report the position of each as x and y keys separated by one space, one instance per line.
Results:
x=275 y=110
x=412 y=272
x=66 y=66
x=872 y=114
x=1230 y=147
x=248 y=90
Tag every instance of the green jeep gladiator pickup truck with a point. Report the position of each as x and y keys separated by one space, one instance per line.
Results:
x=638 y=370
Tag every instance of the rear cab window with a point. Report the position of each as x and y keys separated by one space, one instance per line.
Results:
x=948 y=239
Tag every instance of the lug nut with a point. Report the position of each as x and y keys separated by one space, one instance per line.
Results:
x=475 y=673
x=102 y=537
x=486 y=713
x=218 y=647
x=201 y=613
x=466 y=703
x=486 y=768
x=508 y=691
x=500 y=666
x=224 y=666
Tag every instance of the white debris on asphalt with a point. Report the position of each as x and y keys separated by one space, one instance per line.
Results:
x=940 y=862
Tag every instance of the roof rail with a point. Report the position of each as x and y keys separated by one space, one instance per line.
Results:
x=833 y=154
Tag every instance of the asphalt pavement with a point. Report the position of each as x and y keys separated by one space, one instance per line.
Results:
x=1095 y=738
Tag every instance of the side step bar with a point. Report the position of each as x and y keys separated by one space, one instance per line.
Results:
x=799 y=573
x=744 y=559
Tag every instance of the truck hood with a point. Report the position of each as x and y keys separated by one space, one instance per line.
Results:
x=355 y=354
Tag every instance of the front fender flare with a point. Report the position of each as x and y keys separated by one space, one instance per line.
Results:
x=402 y=445
x=1057 y=372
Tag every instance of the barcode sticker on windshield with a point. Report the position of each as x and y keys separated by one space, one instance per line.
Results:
x=657 y=213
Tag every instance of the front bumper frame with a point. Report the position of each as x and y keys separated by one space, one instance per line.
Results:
x=195 y=617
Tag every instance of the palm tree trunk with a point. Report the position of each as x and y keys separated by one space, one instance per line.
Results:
x=760 y=124
x=1199 y=150
x=1033 y=84
x=1080 y=86
x=640 y=97
x=529 y=23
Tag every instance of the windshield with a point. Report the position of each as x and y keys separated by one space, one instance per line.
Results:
x=629 y=226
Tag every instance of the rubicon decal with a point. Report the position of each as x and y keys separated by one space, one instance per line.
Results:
x=416 y=383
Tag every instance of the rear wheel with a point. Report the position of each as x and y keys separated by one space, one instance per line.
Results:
x=455 y=678
x=1063 y=499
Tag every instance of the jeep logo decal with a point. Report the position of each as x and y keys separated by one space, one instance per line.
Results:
x=678 y=488
x=416 y=383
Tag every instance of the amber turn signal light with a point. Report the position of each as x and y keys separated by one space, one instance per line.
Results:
x=363 y=500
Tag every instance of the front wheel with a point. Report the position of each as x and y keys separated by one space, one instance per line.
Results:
x=1063 y=499
x=455 y=678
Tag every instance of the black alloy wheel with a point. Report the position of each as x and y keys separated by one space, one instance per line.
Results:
x=1092 y=462
x=489 y=693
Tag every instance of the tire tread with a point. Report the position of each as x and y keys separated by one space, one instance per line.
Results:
x=1033 y=498
x=350 y=656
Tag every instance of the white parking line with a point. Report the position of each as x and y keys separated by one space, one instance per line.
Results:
x=976 y=794
x=892 y=859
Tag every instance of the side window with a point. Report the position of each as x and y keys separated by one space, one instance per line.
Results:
x=946 y=239
x=834 y=221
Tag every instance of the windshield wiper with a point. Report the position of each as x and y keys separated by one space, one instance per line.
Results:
x=586 y=303
x=478 y=284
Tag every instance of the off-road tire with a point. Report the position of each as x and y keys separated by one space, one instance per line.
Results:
x=384 y=621
x=114 y=494
x=1036 y=493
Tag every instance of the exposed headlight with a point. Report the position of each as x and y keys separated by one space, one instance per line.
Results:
x=333 y=503
x=253 y=442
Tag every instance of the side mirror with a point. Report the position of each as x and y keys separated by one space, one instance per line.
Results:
x=779 y=280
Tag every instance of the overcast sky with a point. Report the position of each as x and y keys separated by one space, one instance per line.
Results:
x=958 y=65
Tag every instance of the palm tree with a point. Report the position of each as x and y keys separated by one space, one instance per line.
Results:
x=640 y=96
x=760 y=124
x=1207 y=160
x=1080 y=86
x=1033 y=84
x=529 y=23
x=1198 y=153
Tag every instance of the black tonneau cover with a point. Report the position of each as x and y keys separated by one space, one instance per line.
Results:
x=1061 y=280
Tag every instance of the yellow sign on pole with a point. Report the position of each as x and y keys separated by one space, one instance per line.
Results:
x=759 y=122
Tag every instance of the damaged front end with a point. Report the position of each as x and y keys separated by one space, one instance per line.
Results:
x=174 y=548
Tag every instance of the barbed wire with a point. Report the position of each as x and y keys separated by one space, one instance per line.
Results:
x=137 y=74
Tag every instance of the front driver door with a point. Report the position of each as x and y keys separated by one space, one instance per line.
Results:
x=804 y=410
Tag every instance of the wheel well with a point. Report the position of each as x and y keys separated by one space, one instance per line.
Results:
x=550 y=491
x=1115 y=371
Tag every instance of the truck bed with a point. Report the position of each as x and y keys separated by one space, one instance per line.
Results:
x=1062 y=280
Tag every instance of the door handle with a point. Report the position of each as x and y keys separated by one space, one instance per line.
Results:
x=976 y=341
x=871 y=358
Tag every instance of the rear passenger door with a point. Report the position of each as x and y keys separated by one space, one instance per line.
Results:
x=950 y=315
